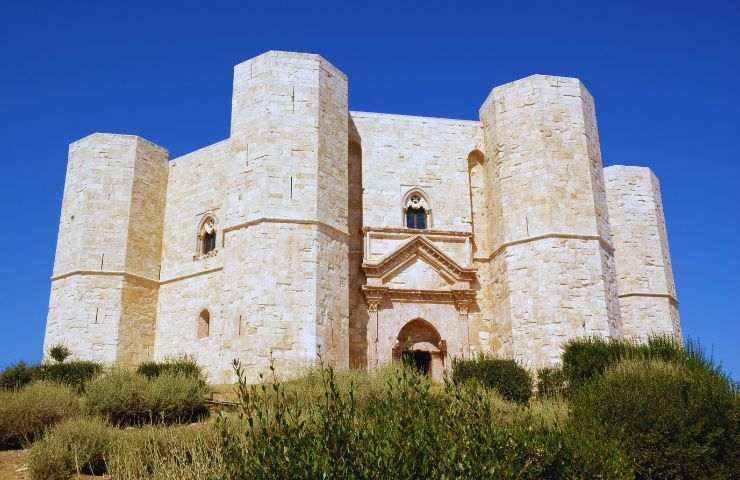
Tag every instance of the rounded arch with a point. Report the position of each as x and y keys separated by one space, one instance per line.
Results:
x=417 y=209
x=204 y=324
x=416 y=332
x=475 y=157
x=479 y=192
x=207 y=234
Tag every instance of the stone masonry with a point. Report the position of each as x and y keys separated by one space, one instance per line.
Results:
x=359 y=237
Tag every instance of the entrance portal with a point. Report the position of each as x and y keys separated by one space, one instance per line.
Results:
x=421 y=345
x=422 y=361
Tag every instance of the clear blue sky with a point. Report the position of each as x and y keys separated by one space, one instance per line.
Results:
x=665 y=75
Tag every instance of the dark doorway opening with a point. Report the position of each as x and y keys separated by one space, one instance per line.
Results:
x=422 y=361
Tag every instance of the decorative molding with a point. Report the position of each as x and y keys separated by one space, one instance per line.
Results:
x=570 y=236
x=419 y=246
x=670 y=297
x=411 y=231
x=190 y=275
x=456 y=297
x=107 y=273
x=114 y=273
x=296 y=221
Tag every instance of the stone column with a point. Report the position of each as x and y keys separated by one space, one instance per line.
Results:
x=463 y=307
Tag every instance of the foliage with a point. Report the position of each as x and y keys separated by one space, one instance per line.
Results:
x=586 y=358
x=551 y=382
x=91 y=446
x=26 y=413
x=126 y=398
x=59 y=353
x=118 y=396
x=174 y=398
x=181 y=452
x=673 y=420
x=76 y=373
x=185 y=366
x=409 y=428
x=74 y=446
x=505 y=376
x=16 y=376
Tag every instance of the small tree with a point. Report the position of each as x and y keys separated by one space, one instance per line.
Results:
x=59 y=353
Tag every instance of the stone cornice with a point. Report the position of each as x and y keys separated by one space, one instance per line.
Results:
x=108 y=273
x=115 y=273
x=459 y=297
x=412 y=231
x=671 y=298
x=190 y=275
x=296 y=221
x=569 y=236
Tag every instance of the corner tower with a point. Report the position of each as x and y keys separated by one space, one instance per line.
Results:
x=551 y=245
x=106 y=270
x=647 y=292
x=285 y=228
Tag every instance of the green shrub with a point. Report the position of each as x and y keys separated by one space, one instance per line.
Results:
x=673 y=420
x=586 y=358
x=174 y=366
x=76 y=373
x=119 y=397
x=550 y=382
x=505 y=376
x=75 y=446
x=59 y=353
x=173 y=398
x=16 y=376
x=27 y=413
x=406 y=429
x=127 y=398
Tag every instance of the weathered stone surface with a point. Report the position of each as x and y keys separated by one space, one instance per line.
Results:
x=307 y=202
x=647 y=292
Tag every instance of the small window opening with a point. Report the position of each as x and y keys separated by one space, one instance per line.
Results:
x=204 y=324
x=208 y=237
x=416 y=214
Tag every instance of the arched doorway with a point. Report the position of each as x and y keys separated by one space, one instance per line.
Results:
x=419 y=343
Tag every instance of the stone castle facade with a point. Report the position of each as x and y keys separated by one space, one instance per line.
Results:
x=360 y=236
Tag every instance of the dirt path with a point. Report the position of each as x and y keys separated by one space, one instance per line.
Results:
x=13 y=465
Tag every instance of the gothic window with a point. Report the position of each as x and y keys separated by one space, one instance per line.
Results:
x=204 y=324
x=416 y=211
x=207 y=236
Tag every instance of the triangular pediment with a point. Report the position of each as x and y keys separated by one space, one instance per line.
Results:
x=421 y=259
x=417 y=274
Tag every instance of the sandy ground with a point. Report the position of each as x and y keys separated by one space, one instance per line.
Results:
x=13 y=465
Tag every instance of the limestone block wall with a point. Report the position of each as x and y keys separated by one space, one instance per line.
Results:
x=190 y=283
x=180 y=304
x=105 y=277
x=551 y=222
x=647 y=292
x=402 y=152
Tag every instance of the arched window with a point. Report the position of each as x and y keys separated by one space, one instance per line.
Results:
x=416 y=210
x=207 y=236
x=204 y=324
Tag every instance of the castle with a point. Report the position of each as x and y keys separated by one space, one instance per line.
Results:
x=362 y=237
